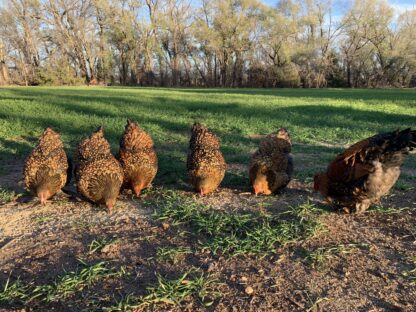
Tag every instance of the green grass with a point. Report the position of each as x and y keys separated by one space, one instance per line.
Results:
x=172 y=292
x=99 y=244
x=175 y=291
x=7 y=195
x=319 y=257
x=75 y=281
x=313 y=302
x=82 y=225
x=171 y=254
x=62 y=288
x=193 y=284
x=233 y=233
x=386 y=210
x=41 y=218
x=411 y=274
x=124 y=304
x=14 y=292
x=320 y=121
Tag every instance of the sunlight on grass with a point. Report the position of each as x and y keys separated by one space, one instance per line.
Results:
x=319 y=121
x=99 y=244
x=171 y=254
x=386 y=210
x=239 y=233
x=191 y=285
x=176 y=291
x=161 y=261
x=319 y=257
x=14 y=292
x=7 y=195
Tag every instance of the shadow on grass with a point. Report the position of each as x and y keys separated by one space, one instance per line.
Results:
x=333 y=93
x=168 y=119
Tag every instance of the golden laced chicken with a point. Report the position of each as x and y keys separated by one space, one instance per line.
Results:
x=47 y=169
x=206 y=165
x=366 y=171
x=137 y=157
x=271 y=166
x=99 y=175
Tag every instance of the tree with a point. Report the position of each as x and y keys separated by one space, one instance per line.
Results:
x=4 y=73
x=19 y=28
x=227 y=43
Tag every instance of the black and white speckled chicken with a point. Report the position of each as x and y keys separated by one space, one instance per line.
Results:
x=99 y=175
x=137 y=157
x=206 y=165
x=365 y=171
x=271 y=166
x=47 y=168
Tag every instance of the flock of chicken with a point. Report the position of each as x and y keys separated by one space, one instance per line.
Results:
x=353 y=181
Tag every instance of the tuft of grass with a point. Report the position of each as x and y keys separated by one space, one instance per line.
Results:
x=7 y=195
x=386 y=210
x=174 y=207
x=63 y=288
x=191 y=285
x=411 y=274
x=82 y=225
x=239 y=234
x=75 y=281
x=314 y=303
x=15 y=292
x=171 y=254
x=41 y=218
x=403 y=186
x=98 y=245
x=319 y=257
x=177 y=291
x=127 y=303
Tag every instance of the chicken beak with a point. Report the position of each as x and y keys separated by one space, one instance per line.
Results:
x=137 y=189
x=110 y=204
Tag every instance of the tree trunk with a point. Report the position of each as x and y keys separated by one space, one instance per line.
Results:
x=175 y=70
x=349 y=84
x=215 y=71
x=223 y=69
x=4 y=73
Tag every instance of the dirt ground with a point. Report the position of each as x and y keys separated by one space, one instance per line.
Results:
x=39 y=243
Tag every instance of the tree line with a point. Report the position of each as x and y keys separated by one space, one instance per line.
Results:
x=210 y=43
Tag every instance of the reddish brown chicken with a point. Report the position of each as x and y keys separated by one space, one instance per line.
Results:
x=99 y=175
x=47 y=168
x=205 y=163
x=137 y=157
x=271 y=166
x=366 y=171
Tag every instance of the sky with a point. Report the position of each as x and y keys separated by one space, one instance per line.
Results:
x=403 y=5
x=399 y=5
x=340 y=6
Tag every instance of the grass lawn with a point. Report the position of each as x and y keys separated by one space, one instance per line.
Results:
x=174 y=250
x=320 y=121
